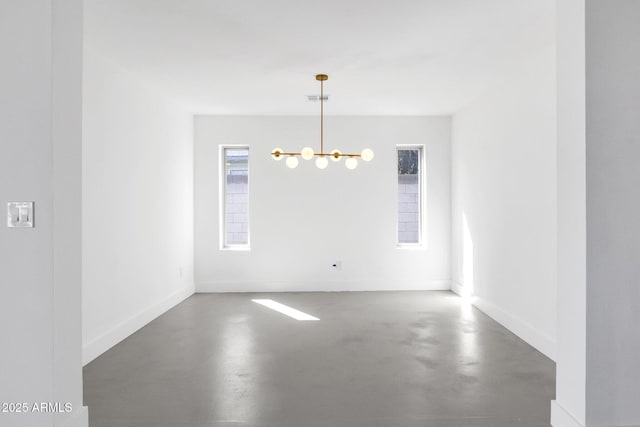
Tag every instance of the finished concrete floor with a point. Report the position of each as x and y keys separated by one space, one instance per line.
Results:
x=374 y=359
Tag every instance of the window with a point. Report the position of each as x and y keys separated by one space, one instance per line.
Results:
x=410 y=195
x=234 y=197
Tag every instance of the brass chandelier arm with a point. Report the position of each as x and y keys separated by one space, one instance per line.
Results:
x=283 y=153
x=340 y=155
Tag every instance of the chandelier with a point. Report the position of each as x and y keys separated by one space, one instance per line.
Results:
x=322 y=158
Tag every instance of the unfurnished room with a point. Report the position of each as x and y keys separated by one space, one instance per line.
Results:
x=320 y=214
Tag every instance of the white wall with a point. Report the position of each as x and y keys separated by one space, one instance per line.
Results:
x=568 y=410
x=504 y=186
x=40 y=130
x=613 y=209
x=137 y=204
x=302 y=220
x=599 y=301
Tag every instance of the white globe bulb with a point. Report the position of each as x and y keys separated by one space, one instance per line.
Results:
x=351 y=163
x=276 y=153
x=335 y=155
x=367 y=155
x=322 y=162
x=292 y=161
x=307 y=153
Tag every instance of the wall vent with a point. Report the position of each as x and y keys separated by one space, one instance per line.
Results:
x=316 y=98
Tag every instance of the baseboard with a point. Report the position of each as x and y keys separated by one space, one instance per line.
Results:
x=458 y=289
x=541 y=342
x=78 y=418
x=104 y=342
x=341 y=286
x=561 y=418
x=528 y=333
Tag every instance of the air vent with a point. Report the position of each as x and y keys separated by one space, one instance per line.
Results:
x=316 y=98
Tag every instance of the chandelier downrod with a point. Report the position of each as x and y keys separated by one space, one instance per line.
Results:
x=322 y=78
x=307 y=152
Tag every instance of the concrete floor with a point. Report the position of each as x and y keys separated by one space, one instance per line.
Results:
x=375 y=359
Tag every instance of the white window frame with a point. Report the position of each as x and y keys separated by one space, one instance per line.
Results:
x=422 y=180
x=222 y=192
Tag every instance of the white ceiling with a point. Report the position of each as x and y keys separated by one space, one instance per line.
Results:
x=412 y=57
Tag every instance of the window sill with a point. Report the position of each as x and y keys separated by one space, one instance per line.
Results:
x=236 y=248
x=412 y=247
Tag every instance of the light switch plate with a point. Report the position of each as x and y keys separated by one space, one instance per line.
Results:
x=20 y=215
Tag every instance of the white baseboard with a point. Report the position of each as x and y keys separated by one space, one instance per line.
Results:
x=78 y=418
x=561 y=418
x=342 y=286
x=457 y=288
x=528 y=333
x=104 y=342
x=540 y=341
